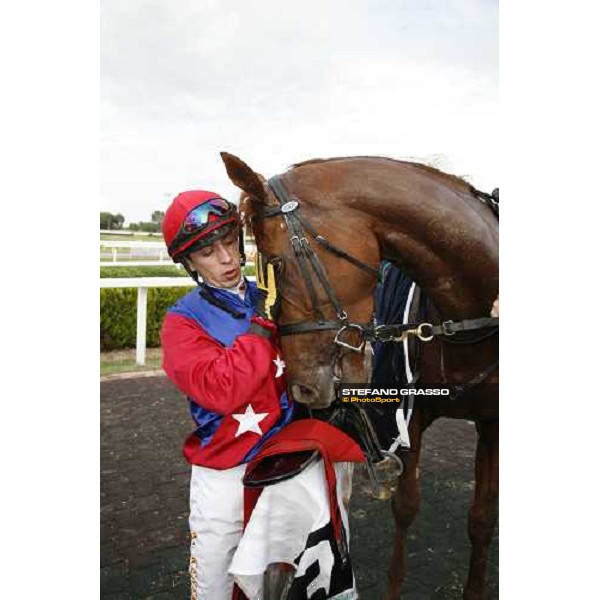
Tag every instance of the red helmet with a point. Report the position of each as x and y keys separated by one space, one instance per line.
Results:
x=196 y=219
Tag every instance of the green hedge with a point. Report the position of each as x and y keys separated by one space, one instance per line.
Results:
x=157 y=271
x=118 y=306
x=118 y=315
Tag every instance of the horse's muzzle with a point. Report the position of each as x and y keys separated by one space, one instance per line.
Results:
x=305 y=394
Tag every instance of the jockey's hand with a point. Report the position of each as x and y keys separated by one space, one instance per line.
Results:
x=495 y=312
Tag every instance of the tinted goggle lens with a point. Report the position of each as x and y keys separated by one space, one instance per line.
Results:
x=200 y=216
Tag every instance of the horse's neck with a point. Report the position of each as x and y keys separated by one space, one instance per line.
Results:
x=461 y=280
x=452 y=254
x=428 y=224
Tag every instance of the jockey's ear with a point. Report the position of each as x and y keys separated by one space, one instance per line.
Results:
x=244 y=177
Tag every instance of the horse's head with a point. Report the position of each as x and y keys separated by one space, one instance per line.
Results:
x=320 y=338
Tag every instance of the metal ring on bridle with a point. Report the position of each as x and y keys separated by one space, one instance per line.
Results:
x=422 y=336
x=339 y=342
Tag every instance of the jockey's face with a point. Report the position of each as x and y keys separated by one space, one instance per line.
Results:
x=219 y=264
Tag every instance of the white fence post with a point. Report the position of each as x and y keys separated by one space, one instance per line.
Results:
x=142 y=284
x=142 y=309
x=114 y=253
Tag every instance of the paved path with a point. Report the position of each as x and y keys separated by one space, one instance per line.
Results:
x=144 y=495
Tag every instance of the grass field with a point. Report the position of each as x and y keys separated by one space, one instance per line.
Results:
x=106 y=260
x=156 y=271
x=123 y=361
x=129 y=237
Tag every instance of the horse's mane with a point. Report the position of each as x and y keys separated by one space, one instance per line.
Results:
x=245 y=202
x=451 y=178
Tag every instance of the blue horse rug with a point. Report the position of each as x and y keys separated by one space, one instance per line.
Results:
x=397 y=300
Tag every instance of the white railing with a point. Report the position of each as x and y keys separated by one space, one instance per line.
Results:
x=156 y=248
x=131 y=244
x=149 y=263
x=129 y=232
x=142 y=244
x=139 y=263
x=142 y=284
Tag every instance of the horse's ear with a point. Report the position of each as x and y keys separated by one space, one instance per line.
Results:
x=244 y=177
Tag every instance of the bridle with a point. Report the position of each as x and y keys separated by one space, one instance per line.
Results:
x=299 y=231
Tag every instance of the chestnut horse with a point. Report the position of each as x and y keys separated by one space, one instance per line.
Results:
x=434 y=227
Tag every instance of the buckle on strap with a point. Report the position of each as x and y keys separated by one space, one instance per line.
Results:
x=385 y=333
x=446 y=328
x=338 y=342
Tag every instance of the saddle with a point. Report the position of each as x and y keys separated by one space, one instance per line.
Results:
x=354 y=421
x=273 y=469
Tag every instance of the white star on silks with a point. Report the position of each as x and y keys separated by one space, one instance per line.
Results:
x=280 y=364
x=249 y=421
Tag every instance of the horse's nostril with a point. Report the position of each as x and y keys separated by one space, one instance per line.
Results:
x=303 y=394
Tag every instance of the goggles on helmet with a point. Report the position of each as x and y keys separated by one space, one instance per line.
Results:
x=203 y=219
x=200 y=216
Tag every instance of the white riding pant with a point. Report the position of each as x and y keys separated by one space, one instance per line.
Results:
x=282 y=519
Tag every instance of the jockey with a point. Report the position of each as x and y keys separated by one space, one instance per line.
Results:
x=221 y=350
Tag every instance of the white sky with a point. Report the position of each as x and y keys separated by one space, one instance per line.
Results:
x=278 y=82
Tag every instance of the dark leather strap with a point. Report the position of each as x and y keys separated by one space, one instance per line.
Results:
x=305 y=255
x=462 y=388
x=335 y=250
x=452 y=327
x=387 y=333
x=308 y=327
x=258 y=329
x=302 y=258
